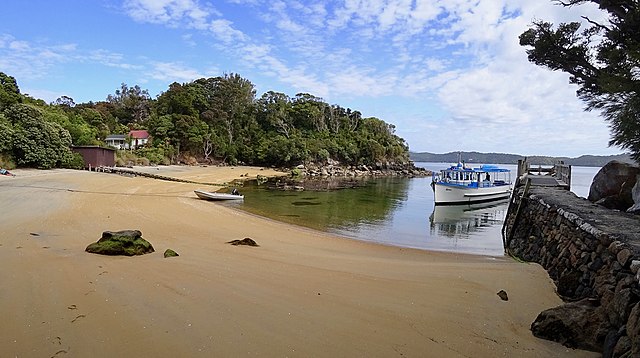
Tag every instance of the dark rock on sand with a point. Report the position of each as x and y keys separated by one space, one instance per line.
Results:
x=246 y=241
x=503 y=295
x=170 y=253
x=126 y=242
x=576 y=325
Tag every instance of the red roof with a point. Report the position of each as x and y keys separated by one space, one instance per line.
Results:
x=139 y=134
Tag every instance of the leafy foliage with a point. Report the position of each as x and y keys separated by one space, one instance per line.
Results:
x=210 y=119
x=37 y=142
x=73 y=161
x=9 y=92
x=6 y=135
x=602 y=59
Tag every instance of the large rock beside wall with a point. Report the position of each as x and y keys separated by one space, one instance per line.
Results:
x=612 y=186
x=593 y=254
x=635 y=195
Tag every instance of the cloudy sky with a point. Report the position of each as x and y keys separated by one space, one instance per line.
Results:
x=449 y=74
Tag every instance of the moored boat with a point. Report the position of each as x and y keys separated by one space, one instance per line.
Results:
x=459 y=184
x=207 y=195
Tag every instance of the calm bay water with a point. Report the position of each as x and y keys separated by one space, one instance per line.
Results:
x=398 y=212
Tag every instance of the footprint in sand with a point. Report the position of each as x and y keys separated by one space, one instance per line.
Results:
x=62 y=351
x=77 y=318
x=58 y=342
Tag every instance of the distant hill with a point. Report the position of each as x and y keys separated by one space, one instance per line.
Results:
x=503 y=158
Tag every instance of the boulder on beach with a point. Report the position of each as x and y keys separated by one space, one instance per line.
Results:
x=576 y=325
x=612 y=186
x=247 y=241
x=125 y=242
x=170 y=253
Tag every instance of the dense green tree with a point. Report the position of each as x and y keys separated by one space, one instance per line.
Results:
x=232 y=104
x=188 y=132
x=280 y=150
x=161 y=129
x=6 y=135
x=603 y=59
x=274 y=111
x=130 y=104
x=37 y=142
x=65 y=101
x=180 y=99
x=379 y=143
x=309 y=112
x=93 y=120
x=9 y=91
x=215 y=118
x=82 y=133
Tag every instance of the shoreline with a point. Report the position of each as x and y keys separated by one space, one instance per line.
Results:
x=301 y=293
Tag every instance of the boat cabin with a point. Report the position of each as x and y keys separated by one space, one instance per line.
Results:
x=483 y=176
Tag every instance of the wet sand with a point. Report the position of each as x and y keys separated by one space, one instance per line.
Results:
x=300 y=294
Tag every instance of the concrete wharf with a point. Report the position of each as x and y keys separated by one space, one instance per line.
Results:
x=558 y=175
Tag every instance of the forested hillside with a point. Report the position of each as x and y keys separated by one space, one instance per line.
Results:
x=211 y=120
x=502 y=158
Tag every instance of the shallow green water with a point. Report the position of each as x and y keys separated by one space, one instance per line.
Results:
x=394 y=211
x=326 y=210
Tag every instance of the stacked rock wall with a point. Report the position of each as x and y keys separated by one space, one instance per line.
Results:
x=593 y=256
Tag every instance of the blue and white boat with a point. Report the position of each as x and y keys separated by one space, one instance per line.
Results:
x=460 y=184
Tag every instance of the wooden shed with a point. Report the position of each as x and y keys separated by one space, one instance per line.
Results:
x=95 y=156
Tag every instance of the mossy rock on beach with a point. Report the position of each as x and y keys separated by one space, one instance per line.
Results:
x=246 y=241
x=126 y=242
x=170 y=253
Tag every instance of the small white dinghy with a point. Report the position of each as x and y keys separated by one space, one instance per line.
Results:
x=207 y=195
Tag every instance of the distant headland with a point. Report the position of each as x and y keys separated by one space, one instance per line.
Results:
x=503 y=158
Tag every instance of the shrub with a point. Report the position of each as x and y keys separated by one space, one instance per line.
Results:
x=142 y=161
x=154 y=155
x=7 y=162
x=125 y=158
x=73 y=161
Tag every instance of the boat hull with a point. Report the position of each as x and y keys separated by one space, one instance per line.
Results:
x=445 y=194
x=206 y=195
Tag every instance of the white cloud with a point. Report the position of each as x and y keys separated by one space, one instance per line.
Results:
x=45 y=95
x=174 y=72
x=168 y=12
x=24 y=60
x=107 y=58
x=224 y=31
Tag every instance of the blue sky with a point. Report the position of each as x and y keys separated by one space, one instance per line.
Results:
x=449 y=74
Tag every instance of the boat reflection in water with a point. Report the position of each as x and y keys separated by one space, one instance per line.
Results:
x=474 y=225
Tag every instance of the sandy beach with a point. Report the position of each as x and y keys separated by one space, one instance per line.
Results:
x=301 y=293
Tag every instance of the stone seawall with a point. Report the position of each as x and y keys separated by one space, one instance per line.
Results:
x=593 y=256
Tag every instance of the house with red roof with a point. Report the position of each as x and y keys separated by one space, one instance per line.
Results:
x=138 y=138
x=135 y=139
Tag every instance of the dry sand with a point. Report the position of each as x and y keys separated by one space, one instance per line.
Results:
x=300 y=294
